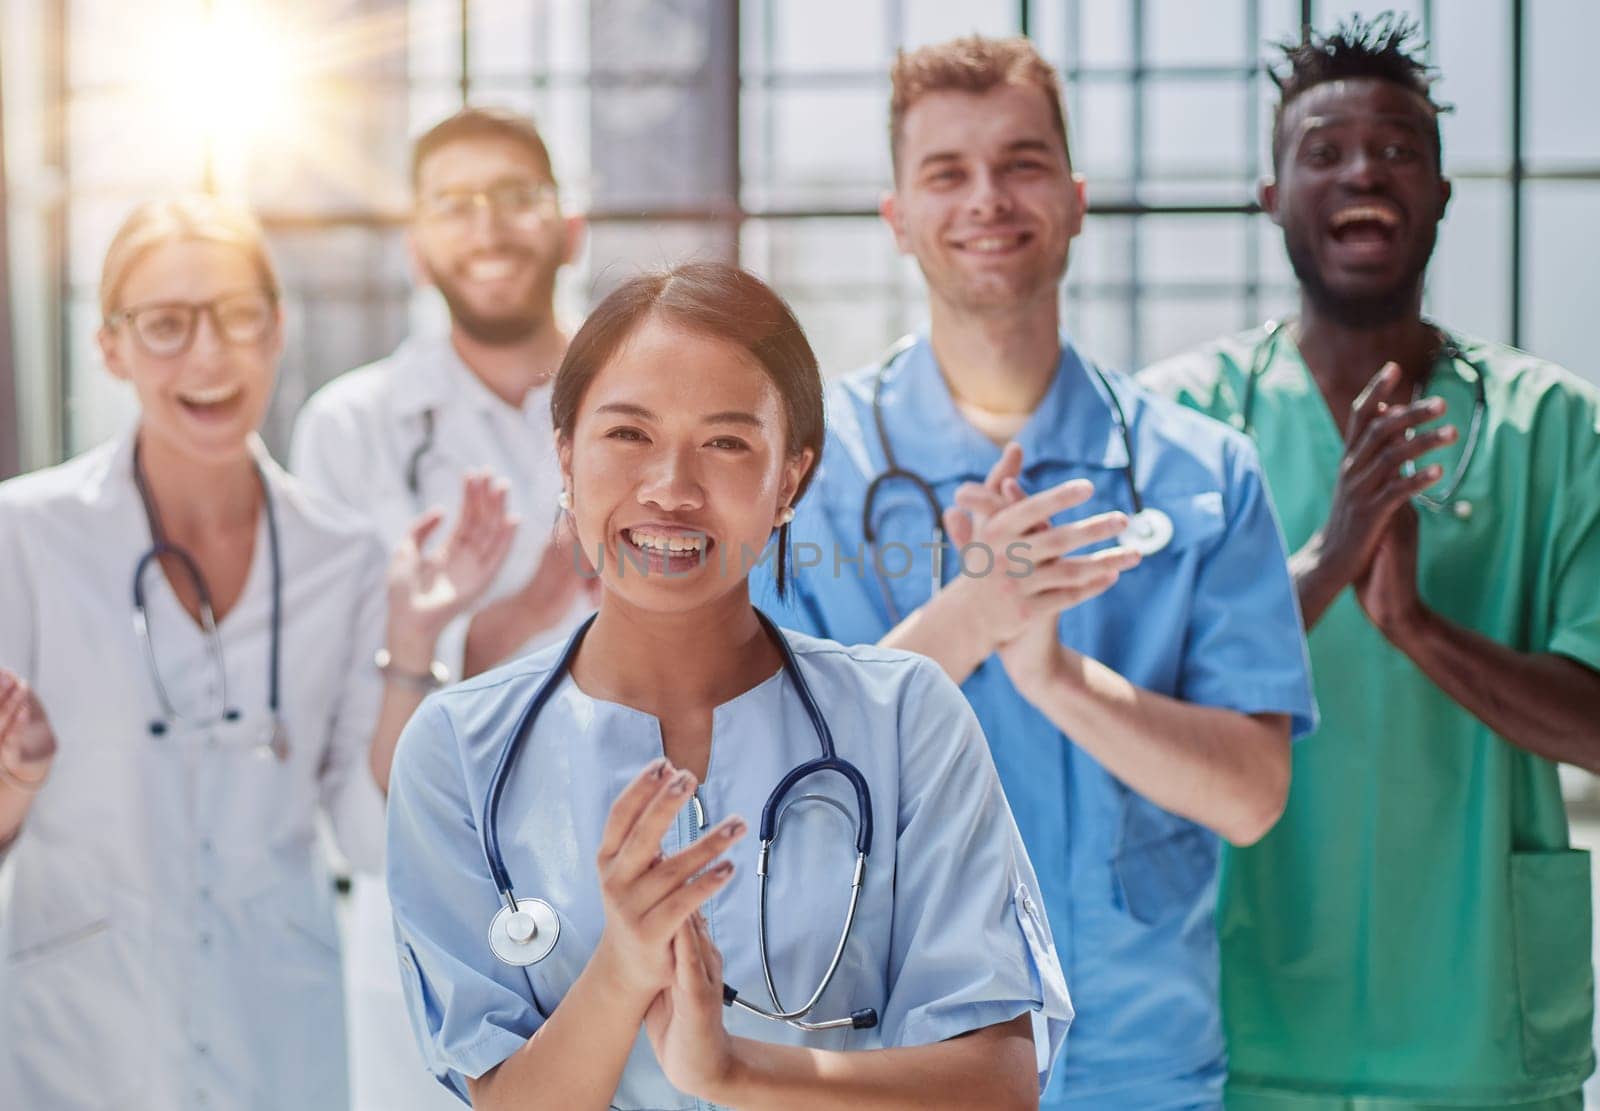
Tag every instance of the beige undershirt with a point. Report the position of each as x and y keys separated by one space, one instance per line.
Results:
x=999 y=427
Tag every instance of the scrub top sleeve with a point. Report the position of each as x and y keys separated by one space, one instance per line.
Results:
x=350 y=795
x=970 y=946
x=1246 y=647
x=17 y=612
x=1575 y=597
x=468 y=1011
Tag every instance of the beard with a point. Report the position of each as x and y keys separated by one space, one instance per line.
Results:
x=1367 y=310
x=512 y=325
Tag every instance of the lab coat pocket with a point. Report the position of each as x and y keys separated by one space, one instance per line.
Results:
x=1552 y=920
x=1163 y=863
x=75 y=1003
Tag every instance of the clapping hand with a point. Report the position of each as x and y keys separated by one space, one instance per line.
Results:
x=430 y=588
x=685 y=1023
x=27 y=743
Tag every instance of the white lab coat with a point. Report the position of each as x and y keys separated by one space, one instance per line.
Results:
x=166 y=921
x=355 y=439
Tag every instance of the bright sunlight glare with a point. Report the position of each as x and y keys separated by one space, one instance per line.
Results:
x=231 y=78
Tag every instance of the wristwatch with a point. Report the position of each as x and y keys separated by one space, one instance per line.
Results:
x=435 y=677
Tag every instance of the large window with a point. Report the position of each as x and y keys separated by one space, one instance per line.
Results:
x=748 y=129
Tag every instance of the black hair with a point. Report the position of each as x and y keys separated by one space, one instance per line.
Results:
x=1386 y=47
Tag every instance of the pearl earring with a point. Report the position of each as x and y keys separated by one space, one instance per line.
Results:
x=564 y=500
x=785 y=515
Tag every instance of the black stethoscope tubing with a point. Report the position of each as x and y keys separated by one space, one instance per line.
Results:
x=893 y=470
x=1260 y=357
x=161 y=546
x=829 y=761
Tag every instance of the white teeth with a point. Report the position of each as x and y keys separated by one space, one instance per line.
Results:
x=1375 y=213
x=214 y=396
x=992 y=243
x=488 y=270
x=663 y=543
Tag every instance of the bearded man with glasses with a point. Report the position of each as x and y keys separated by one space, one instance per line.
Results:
x=395 y=438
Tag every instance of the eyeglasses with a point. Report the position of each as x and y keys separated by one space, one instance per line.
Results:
x=166 y=328
x=520 y=204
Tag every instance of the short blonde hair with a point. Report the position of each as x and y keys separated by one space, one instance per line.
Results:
x=971 y=64
x=191 y=216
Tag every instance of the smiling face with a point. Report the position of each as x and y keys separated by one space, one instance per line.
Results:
x=493 y=261
x=1359 y=196
x=678 y=467
x=985 y=198
x=205 y=401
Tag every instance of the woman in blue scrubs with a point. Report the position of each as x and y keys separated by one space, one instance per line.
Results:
x=688 y=414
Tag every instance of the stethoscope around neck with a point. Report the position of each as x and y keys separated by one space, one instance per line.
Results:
x=524 y=931
x=1149 y=530
x=274 y=739
x=1443 y=502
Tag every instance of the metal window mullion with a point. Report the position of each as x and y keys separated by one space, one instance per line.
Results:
x=59 y=230
x=1137 y=168
x=1518 y=169
x=1252 y=139
x=10 y=398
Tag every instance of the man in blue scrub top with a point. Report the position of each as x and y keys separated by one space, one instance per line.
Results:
x=1136 y=708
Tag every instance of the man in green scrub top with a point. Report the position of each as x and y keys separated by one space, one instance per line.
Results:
x=1416 y=930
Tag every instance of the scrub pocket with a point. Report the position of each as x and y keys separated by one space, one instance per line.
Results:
x=1162 y=864
x=1552 y=920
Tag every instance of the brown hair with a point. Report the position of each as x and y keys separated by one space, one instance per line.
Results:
x=710 y=299
x=972 y=64
x=481 y=123
x=191 y=216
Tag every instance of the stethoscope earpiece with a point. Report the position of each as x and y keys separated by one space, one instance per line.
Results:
x=158 y=728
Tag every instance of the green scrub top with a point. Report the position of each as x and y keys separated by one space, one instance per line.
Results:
x=1417 y=926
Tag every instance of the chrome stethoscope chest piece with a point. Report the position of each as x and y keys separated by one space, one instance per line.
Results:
x=1148 y=531
x=527 y=935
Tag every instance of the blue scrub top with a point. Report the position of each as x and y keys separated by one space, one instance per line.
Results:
x=1211 y=619
x=950 y=934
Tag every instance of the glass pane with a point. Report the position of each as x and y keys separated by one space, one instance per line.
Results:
x=434 y=39
x=1180 y=32
x=113 y=43
x=1469 y=278
x=115 y=141
x=807 y=147
x=509 y=40
x=816 y=255
x=1563 y=226
x=98 y=406
x=1104 y=34
x=1472 y=48
x=1100 y=122
x=1103 y=253
x=1562 y=125
x=1192 y=249
x=1100 y=329
x=1172 y=325
x=827 y=35
x=1196 y=129
x=928 y=21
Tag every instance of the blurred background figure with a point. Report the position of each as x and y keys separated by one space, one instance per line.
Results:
x=397 y=437
x=168 y=926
